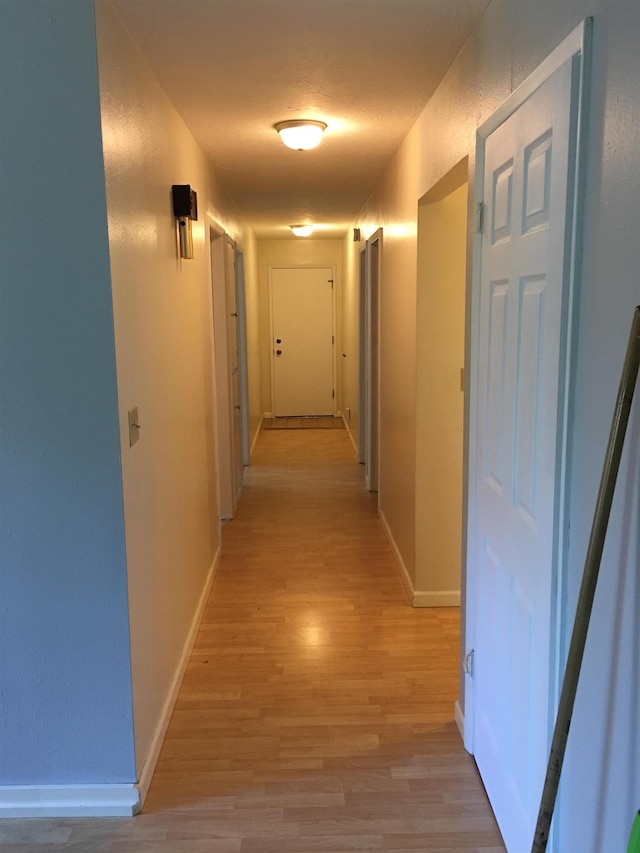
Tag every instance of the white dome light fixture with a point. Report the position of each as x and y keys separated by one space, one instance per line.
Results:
x=302 y=230
x=301 y=134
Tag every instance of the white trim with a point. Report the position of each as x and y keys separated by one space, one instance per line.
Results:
x=243 y=370
x=573 y=45
x=436 y=598
x=23 y=801
x=372 y=401
x=417 y=597
x=151 y=760
x=349 y=433
x=404 y=574
x=459 y=718
x=255 y=437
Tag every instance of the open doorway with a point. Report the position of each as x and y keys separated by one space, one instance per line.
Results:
x=227 y=389
x=440 y=348
x=369 y=357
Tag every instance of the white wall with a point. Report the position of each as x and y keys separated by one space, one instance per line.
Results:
x=302 y=251
x=601 y=787
x=162 y=310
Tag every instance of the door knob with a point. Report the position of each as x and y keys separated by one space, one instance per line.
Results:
x=278 y=352
x=278 y=340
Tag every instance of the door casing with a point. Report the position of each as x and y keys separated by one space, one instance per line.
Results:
x=223 y=294
x=371 y=413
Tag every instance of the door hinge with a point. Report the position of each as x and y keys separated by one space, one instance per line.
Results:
x=480 y=218
x=467 y=663
x=333 y=339
x=333 y=394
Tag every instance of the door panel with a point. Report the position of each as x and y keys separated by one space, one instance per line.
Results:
x=519 y=424
x=302 y=322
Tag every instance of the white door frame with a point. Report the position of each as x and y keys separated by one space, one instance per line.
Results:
x=272 y=352
x=242 y=354
x=362 y=336
x=371 y=414
x=576 y=47
x=233 y=334
x=222 y=396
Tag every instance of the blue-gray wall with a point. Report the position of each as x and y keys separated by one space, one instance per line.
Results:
x=65 y=681
x=600 y=790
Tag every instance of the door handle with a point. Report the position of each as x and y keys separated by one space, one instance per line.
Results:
x=278 y=352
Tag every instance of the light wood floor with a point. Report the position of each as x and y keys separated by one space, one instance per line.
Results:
x=316 y=712
x=321 y=422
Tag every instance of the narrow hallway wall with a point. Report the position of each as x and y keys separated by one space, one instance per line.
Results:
x=163 y=322
x=601 y=785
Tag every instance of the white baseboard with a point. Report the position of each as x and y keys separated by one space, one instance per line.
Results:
x=163 y=723
x=418 y=597
x=255 y=437
x=350 y=434
x=425 y=598
x=404 y=574
x=459 y=717
x=22 y=801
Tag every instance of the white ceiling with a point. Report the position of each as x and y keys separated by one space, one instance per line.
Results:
x=235 y=67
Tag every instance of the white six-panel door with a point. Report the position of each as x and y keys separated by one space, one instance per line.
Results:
x=516 y=499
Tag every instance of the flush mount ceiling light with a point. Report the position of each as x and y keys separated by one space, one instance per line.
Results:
x=301 y=134
x=302 y=230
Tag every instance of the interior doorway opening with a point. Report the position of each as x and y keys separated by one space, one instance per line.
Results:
x=440 y=352
x=370 y=267
x=228 y=343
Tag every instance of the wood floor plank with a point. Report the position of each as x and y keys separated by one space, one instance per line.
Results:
x=316 y=712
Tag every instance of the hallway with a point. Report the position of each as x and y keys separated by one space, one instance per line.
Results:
x=317 y=709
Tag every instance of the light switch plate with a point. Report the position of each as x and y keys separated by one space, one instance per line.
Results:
x=134 y=426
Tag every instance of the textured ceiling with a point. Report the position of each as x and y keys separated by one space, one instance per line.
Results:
x=235 y=67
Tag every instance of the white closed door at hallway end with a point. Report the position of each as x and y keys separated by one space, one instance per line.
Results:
x=302 y=341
